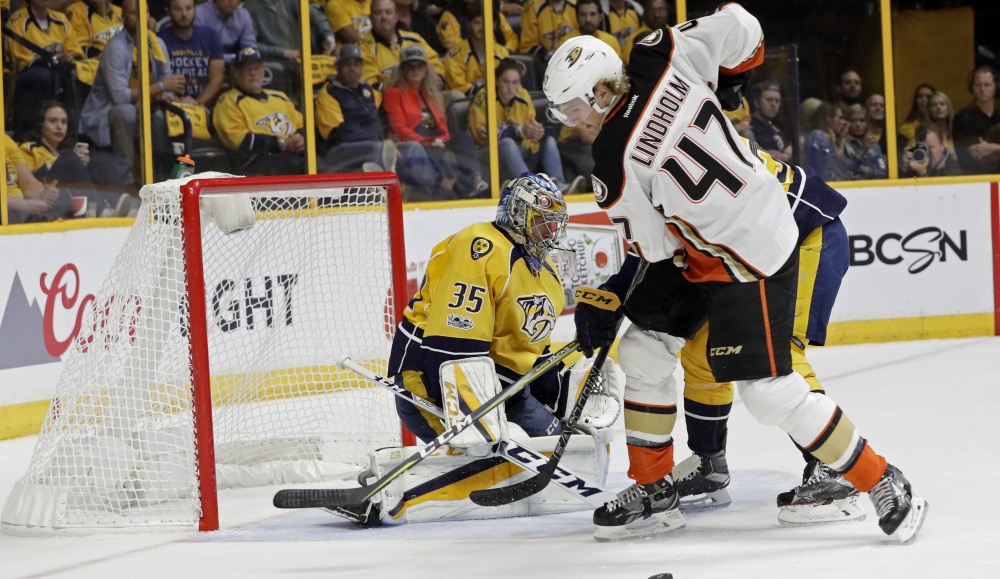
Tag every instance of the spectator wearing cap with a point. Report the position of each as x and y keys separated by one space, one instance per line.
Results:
x=260 y=127
x=463 y=65
x=279 y=37
x=109 y=117
x=415 y=109
x=382 y=45
x=232 y=25
x=767 y=105
x=347 y=119
x=655 y=15
x=196 y=53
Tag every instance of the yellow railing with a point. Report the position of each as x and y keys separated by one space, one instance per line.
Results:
x=681 y=11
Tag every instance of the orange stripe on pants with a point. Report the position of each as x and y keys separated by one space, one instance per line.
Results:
x=648 y=465
x=867 y=471
x=767 y=329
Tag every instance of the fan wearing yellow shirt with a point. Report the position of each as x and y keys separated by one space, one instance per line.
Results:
x=545 y=25
x=620 y=18
x=463 y=65
x=588 y=19
x=381 y=46
x=454 y=25
x=27 y=198
x=94 y=23
x=655 y=15
x=350 y=19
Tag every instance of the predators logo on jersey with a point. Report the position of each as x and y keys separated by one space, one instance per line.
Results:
x=480 y=247
x=277 y=123
x=106 y=35
x=539 y=316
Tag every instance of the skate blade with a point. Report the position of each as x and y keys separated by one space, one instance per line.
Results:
x=914 y=520
x=716 y=499
x=656 y=525
x=838 y=511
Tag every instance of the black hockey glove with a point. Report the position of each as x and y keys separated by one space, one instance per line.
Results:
x=597 y=315
x=731 y=89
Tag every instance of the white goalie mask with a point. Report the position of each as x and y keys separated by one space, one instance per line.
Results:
x=573 y=72
x=533 y=212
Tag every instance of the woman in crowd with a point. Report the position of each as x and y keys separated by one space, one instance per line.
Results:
x=918 y=112
x=56 y=157
x=861 y=147
x=415 y=109
x=824 y=146
x=522 y=144
x=941 y=118
x=767 y=104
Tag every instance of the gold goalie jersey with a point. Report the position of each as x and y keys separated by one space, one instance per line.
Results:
x=479 y=297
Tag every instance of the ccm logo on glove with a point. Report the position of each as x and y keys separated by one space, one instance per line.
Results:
x=598 y=298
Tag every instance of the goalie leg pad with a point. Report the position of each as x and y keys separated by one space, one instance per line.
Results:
x=438 y=488
x=465 y=385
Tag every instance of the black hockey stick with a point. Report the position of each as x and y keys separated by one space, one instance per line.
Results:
x=329 y=498
x=535 y=484
x=516 y=453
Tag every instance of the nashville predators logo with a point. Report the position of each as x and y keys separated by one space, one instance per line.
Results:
x=277 y=123
x=109 y=33
x=480 y=247
x=574 y=55
x=539 y=316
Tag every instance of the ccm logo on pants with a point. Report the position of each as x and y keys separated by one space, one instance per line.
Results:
x=725 y=350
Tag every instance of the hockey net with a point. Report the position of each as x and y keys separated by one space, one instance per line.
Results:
x=252 y=321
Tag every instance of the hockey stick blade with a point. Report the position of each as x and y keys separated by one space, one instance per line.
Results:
x=330 y=498
x=322 y=498
x=535 y=484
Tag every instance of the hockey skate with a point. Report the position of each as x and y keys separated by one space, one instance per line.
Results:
x=640 y=511
x=900 y=512
x=365 y=515
x=823 y=497
x=702 y=481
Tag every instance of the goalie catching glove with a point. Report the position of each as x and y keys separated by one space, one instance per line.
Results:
x=604 y=404
x=596 y=317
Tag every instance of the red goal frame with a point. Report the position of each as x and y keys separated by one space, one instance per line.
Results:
x=191 y=192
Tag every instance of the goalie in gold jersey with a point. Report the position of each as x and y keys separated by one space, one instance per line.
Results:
x=490 y=291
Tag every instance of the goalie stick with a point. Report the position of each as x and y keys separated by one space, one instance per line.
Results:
x=332 y=498
x=535 y=484
x=512 y=450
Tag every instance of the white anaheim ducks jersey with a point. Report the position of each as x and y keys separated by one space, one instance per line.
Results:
x=673 y=174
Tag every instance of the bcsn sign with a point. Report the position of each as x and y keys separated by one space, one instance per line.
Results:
x=919 y=248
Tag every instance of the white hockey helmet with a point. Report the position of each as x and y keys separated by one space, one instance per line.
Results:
x=575 y=69
x=533 y=212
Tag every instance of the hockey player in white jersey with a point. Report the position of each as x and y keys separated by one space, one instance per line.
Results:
x=671 y=173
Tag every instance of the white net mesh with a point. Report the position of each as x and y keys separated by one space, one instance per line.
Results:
x=309 y=282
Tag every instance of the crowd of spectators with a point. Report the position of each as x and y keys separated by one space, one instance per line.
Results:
x=403 y=90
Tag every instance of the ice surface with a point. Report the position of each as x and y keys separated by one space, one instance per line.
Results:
x=929 y=407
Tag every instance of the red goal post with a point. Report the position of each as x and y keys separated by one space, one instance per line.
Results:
x=207 y=357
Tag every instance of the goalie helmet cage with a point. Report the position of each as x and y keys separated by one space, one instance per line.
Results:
x=206 y=359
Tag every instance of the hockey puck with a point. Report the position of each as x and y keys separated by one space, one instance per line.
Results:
x=663 y=576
